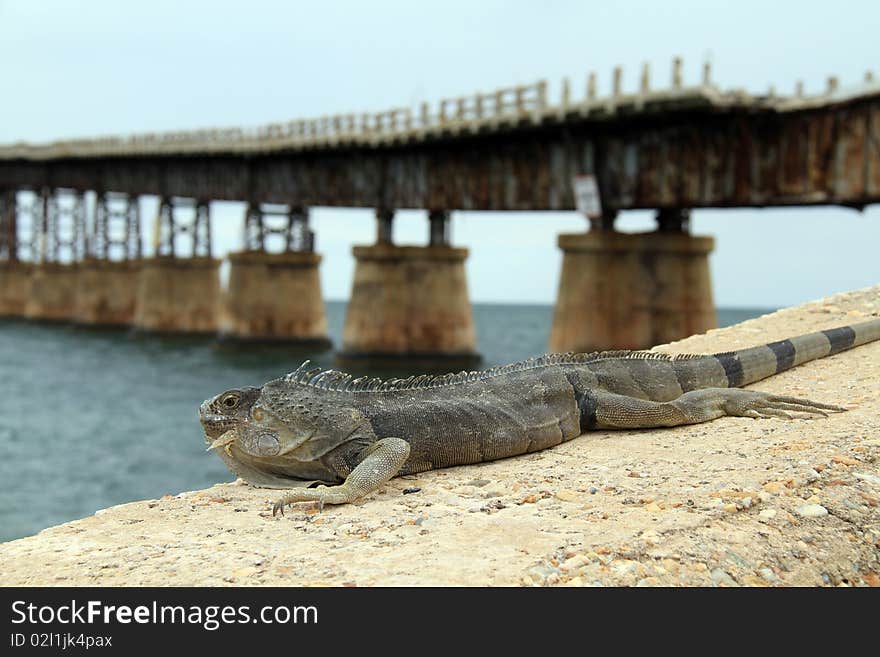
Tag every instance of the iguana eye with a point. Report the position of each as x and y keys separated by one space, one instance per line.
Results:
x=230 y=400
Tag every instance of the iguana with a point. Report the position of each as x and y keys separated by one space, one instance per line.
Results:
x=352 y=435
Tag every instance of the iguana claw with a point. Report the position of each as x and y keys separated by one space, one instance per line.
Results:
x=381 y=461
x=749 y=403
x=309 y=495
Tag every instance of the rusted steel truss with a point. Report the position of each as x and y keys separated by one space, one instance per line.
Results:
x=179 y=237
x=116 y=227
x=266 y=225
x=702 y=157
x=63 y=233
x=21 y=226
x=8 y=226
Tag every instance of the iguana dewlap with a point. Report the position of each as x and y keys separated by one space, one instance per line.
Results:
x=325 y=427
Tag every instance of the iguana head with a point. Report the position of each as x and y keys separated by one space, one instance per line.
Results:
x=228 y=410
x=279 y=419
x=237 y=430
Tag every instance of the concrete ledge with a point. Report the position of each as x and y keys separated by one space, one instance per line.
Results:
x=183 y=264
x=731 y=502
x=290 y=259
x=395 y=253
x=654 y=242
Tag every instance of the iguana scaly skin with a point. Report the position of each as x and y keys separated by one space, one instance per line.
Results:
x=324 y=427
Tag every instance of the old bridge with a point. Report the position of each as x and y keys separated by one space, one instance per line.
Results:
x=670 y=149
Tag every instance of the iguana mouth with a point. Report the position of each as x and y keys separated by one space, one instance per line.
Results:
x=213 y=424
x=214 y=430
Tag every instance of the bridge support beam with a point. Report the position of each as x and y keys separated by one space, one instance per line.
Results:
x=631 y=291
x=410 y=302
x=275 y=297
x=53 y=283
x=384 y=226
x=109 y=277
x=179 y=289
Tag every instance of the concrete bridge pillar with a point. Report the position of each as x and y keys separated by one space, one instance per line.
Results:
x=632 y=291
x=109 y=276
x=15 y=275
x=15 y=286
x=179 y=287
x=62 y=236
x=274 y=292
x=410 y=301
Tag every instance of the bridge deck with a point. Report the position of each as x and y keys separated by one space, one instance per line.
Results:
x=508 y=150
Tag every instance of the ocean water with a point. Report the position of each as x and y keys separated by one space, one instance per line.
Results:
x=89 y=419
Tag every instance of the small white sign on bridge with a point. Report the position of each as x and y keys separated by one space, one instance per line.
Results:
x=586 y=196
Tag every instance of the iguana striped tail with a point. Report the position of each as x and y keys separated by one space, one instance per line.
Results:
x=746 y=366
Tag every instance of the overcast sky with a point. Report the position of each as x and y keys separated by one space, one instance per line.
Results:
x=109 y=67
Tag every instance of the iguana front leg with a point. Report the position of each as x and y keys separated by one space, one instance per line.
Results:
x=381 y=462
x=622 y=412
